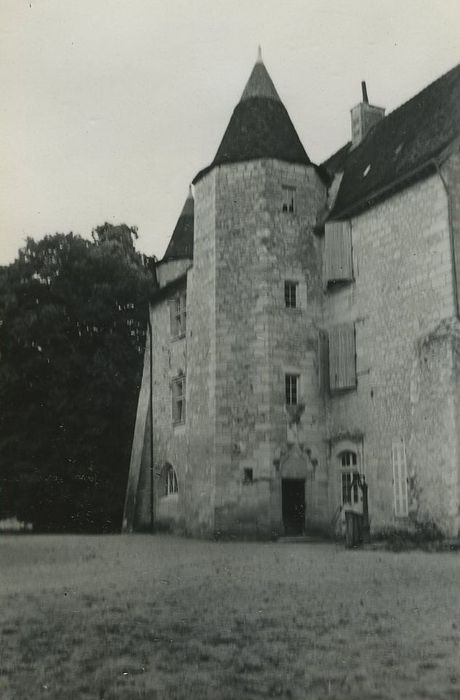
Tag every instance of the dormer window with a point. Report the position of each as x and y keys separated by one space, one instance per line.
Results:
x=288 y=204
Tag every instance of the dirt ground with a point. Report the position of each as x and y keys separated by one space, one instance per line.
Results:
x=161 y=617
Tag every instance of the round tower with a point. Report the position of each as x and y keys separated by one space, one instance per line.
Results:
x=255 y=420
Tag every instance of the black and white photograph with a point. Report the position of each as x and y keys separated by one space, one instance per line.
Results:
x=230 y=350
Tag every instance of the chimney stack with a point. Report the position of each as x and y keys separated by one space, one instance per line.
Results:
x=363 y=117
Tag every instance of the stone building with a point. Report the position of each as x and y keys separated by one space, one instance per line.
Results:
x=305 y=331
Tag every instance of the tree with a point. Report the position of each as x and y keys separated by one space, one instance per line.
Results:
x=74 y=314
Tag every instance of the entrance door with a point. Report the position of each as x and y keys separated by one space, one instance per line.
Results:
x=293 y=498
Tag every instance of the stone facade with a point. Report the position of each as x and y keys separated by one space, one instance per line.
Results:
x=402 y=291
x=245 y=456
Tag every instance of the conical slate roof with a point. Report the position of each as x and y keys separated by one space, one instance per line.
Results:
x=260 y=127
x=181 y=243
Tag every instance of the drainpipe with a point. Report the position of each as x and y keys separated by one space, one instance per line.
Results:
x=152 y=519
x=451 y=236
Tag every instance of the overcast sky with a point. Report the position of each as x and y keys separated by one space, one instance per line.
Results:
x=110 y=107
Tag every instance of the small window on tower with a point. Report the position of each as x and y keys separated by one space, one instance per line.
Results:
x=178 y=400
x=288 y=205
x=290 y=294
x=178 y=315
x=292 y=389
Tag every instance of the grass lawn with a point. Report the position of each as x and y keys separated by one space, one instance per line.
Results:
x=161 y=617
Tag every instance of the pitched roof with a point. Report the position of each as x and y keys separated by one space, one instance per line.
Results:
x=399 y=147
x=181 y=243
x=336 y=163
x=260 y=127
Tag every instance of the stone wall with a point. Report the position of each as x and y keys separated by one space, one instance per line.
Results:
x=403 y=289
x=201 y=374
x=137 y=461
x=241 y=341
x=258 y=340
x=169 y=359
x=433 y=456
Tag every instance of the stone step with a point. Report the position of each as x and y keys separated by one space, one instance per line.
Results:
x=302 y=539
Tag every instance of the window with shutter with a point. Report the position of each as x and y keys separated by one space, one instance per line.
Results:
x=400 y=478
x=338 y=265
x=342 y=357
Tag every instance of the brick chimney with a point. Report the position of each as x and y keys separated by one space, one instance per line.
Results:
x=363 y=117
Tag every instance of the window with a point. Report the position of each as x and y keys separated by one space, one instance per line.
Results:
x=338 y=265
x=350 y=477
x=170 y=481
x=400 y=478
x=323 y=362
x=290 y=294
x=292 y=389
x=178 y=400
x=288 y=204
x=342 y=357
x=248 y=477
x=178 y=314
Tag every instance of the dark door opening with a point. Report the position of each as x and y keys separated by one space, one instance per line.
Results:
x=293 y=500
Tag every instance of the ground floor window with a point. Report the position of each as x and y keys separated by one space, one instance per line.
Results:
x=350 y=477
x=170 y=481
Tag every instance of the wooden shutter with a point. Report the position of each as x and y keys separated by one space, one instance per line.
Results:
x=342 y=357
x=323 y=361
x=400 y=478
x=338 y=266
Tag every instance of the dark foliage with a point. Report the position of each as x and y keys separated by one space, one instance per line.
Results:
x=73 y=317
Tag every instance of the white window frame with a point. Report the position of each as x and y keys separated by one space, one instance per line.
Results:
x=400 y=486
x=349 y=470
x=171 y=486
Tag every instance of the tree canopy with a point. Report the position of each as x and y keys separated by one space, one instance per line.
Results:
x=73 y=318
